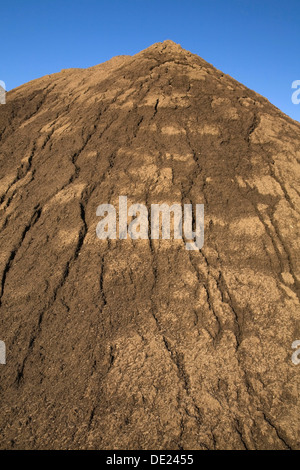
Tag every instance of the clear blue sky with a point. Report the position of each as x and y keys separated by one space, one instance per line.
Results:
x=255 y=41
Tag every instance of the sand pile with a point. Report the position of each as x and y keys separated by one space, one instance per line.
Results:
x=143 y=344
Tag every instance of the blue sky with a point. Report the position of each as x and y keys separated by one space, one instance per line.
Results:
x=255 y=41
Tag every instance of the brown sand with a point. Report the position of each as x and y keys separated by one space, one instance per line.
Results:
x=138 y=345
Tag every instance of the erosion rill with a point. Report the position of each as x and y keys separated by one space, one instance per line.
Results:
x=143 y=344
